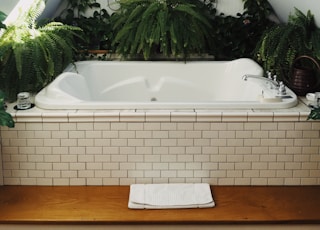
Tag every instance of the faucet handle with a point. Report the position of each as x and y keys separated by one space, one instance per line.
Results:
x=282 y=89
x=269 y=74
x=275 y=78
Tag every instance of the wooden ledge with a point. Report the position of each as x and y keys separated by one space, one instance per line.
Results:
x=109 y=205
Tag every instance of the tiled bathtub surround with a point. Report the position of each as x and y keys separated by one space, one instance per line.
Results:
x=125 y=147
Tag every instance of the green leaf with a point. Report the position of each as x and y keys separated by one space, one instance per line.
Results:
x=314 y=114
x=6 y=119
x=3 y=16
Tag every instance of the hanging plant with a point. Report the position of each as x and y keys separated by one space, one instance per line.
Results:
x=32 y=56
x=168 y=27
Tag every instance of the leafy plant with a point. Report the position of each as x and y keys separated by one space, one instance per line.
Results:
x=97 y=30
x=314 y=114
x=281 y=44
x=5 y=118
x=31 y=56
x=237 y=36
x=2 y=18
x=170 y=27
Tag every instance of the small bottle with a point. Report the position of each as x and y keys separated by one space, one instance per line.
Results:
x=23 y=101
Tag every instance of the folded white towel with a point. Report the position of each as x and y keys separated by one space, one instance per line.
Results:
x=170 y=196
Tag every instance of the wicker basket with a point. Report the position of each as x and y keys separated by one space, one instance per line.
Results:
x=303 y=80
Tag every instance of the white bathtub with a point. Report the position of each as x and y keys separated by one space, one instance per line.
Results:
x=162 y=85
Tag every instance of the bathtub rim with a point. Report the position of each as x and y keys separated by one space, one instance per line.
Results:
x=44 y=102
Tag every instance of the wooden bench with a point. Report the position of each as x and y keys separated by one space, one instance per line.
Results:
x=108 y=205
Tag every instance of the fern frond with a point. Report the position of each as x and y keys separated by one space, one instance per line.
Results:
x=153 y=26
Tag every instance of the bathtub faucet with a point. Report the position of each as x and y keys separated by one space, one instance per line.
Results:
x=274 y=83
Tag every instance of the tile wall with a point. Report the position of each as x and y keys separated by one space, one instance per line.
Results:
x=125 y=147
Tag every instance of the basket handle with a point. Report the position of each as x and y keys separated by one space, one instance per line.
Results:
x=307 y=57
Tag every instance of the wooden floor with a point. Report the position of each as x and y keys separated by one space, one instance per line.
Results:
x=109 y=205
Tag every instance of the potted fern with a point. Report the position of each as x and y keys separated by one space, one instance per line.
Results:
x=172 y=28
x=282 y=44
x=32 y=56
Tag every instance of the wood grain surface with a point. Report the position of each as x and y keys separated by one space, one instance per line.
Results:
x=109 y=205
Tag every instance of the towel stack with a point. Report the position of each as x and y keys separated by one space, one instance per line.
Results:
x=170 y=196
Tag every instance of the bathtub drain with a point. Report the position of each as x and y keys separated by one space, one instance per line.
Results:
x=153 y=99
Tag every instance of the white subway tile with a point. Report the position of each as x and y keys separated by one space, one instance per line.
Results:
x=132 y=116
x=185 y=126
x=183 y=117
x=78 y=166
x=260 y=117
x=129 y=181
x=69 y=174
x=112 y=116
x=152 y=158
x=135 y=143
x=77 y=181
x=94 y=166
x=136 y=126
x=54 y=117
x=81 y=117
x=86 y=173
x=143 y=166
x=111 y=166
x=259 y=181
x=152 y=173
x=234 y=116
x=94 y=181
x=44 y=181
x=169 y=158
x=52 y=174
x=51 y=142
x=119 y=173
x=160 y=166
x=286 y=116
x=135 y=173
x=69 y=143
x=168 y=142
x=203 y=116
x=226 y=181
x=28 y=181
x=119 y=158
x=127 y=166
x=185 y=174
x=168 y=126
x=60 y=181
x=52 y=158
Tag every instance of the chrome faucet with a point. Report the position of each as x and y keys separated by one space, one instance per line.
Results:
x=273 y=83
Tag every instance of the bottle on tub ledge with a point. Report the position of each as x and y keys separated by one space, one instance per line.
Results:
x=23 y=101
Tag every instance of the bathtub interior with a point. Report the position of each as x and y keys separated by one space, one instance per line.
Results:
x=156 y=83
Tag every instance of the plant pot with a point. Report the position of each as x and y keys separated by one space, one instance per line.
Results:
x=303 y=80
